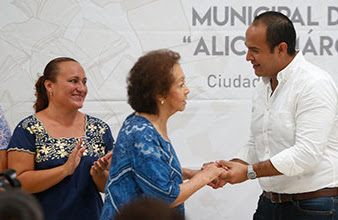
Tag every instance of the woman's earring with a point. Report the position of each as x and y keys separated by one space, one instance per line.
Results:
x=50 y=94
x=162 y=102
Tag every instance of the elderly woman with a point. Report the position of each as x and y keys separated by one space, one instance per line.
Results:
x=144 y=163
x=60 y=154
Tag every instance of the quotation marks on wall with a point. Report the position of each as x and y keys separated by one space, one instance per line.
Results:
x=186 y=39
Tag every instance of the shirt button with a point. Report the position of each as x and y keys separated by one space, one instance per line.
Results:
x=268 y=109
x=265 y=131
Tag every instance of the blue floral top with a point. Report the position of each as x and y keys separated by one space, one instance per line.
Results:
x=143 y=164
x=5 y=132
x=76 y=196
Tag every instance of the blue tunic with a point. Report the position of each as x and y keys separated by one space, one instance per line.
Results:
x=143 y=165
x=76 y=196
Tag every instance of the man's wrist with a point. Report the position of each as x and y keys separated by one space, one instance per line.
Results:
x=251 y=174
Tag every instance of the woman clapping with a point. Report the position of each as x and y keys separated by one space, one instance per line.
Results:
x=60 y=154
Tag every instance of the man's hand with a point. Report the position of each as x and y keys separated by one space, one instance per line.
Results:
x=236 y=172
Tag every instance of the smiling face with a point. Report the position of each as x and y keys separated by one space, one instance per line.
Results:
x=178 y=92
x=70 y=89
x=264 y=62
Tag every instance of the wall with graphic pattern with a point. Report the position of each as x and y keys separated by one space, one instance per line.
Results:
x=108 y=36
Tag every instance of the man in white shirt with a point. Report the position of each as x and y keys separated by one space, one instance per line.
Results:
x=293 y=148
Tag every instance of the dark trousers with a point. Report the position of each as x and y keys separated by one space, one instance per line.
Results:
x=323 y=208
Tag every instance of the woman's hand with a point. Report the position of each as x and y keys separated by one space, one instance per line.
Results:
x=100 y=165
x=99 y=171
x=218 y=182
x=74 y=159
x=212 y=171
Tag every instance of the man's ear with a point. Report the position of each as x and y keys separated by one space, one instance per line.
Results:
x=282 y=48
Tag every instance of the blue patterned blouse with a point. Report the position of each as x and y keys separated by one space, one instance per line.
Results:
x=76 y=196
x=143 y=165
x=5 y=132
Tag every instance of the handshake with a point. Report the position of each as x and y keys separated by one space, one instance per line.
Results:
x=221 y=172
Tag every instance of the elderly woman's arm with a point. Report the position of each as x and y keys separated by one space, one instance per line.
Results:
x=199 y=179
x=189 y=173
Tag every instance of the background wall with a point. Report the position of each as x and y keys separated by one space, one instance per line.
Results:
x=107 y=37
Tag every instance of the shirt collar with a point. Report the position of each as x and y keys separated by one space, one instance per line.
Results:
x=285 y=73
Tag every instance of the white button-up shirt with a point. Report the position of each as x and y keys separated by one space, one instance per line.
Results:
x=296 y=128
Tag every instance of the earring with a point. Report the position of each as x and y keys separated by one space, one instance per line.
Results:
x=162 y=102
x=50 y=94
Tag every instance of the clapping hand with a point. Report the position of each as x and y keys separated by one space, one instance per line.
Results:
x=74 y=158
x=100 y=165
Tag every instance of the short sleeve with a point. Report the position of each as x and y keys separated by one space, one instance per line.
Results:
x=5 y=133
x=23 y=138
x=108 y=139
x=154 y=169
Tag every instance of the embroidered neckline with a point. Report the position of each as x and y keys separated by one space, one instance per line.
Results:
x=62 y=138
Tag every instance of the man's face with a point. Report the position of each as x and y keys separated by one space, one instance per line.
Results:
x=265 y=62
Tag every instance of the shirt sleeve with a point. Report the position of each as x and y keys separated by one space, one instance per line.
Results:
x=153 y=169
x=314 y=117
x=23 y=139
x=108 y=139
x=5 y=133
x=248 y=152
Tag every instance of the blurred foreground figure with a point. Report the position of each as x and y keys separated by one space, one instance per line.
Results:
x=148 y=209
x=19 y=205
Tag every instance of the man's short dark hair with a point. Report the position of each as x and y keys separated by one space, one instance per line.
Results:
x=279 y=29
x=150 y=77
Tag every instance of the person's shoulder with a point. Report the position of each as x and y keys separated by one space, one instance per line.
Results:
x=29 y=125
x=314 y=76
x=28 y=121
x=94 y=120
x=310 y=77
x=137 y=126
x=95 y=126
x=310 y=71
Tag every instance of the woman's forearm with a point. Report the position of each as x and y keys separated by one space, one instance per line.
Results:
x=100 y=181
x=3 y=160
x=34 y=181
x=188 y=173
x=199 y=179
x=190 y=187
